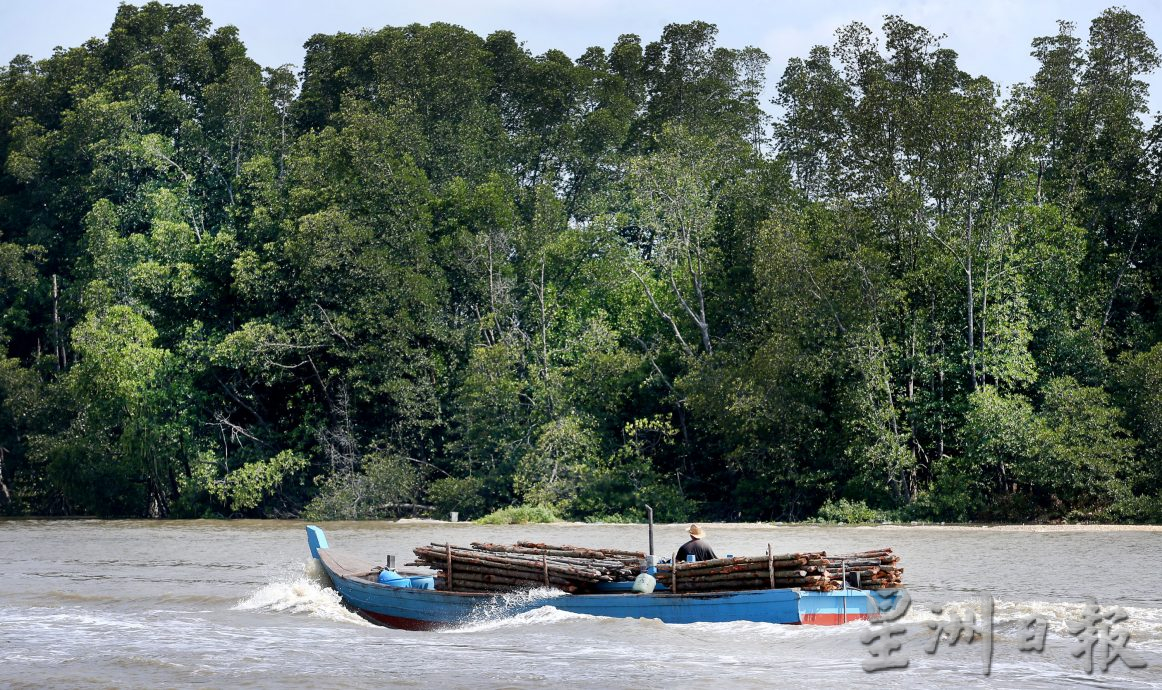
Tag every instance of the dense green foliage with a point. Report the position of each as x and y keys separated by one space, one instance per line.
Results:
x=519 y=515
x=434 y=272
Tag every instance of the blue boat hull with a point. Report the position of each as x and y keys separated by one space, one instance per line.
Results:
x=420 y=609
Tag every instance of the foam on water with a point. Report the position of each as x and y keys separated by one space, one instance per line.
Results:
x=1145 y=624
x=306 y=593
x=69 y=617
x=527 y=596
x=515 y=609
x=227 y=605
x=498 y=620
x=770 y=631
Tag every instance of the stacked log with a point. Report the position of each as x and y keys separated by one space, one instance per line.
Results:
x=486 y=567
x=874 y=570
x=631 y=557
x=774 y=571
x=628 y=559
x=501 y=567
x=812 y=571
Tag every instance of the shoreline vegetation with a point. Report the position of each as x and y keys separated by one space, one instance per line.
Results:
x=434 y=272
x=571 y=524
x=829 y=515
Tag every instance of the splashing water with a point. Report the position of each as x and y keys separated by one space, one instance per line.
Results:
x=544 y=615
x=308 y=593
x=1145 y=623
x=522 y=607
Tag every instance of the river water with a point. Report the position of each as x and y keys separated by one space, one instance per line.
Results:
x=140 y=604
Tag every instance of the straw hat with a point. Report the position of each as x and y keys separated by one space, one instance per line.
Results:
x=695 y=531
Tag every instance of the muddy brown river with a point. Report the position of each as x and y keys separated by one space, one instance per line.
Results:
x=141 y=604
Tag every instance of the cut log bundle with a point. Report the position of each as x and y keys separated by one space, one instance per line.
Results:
x=486 y=567
x=502 y=567
x=815 y=571
x=630 y=559
x=877 y=569
x=582 y=552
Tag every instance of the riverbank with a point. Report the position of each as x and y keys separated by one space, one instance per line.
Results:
x=1002 y=527
x=998 y=527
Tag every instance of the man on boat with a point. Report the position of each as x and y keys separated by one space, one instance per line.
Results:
x=696 y=547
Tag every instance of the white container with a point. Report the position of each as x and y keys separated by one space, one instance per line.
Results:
x=644 y=583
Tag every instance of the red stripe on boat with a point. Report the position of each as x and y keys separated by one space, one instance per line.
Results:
x=832 y=618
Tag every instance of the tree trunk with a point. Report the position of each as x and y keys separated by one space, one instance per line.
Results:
x=4 y=487
x=971 y=324
x=58 y=350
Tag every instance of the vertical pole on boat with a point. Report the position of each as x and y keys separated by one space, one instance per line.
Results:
x=650 y=518
x=674 y=573
x=448 y=565
x=545 y=566
x=771 y=565
x=843 y=593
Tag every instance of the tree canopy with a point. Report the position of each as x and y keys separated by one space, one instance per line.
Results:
x=432 y=271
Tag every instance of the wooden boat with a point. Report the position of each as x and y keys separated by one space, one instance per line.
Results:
x=426 y=609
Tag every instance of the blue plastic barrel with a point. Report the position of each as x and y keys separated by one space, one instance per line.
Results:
x=423 y=582
x=390 y=577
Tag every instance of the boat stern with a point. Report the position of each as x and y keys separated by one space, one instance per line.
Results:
x=836 y=607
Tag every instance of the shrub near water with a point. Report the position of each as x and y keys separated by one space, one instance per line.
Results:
x=844 y=510
x=615 y=519
x=520 y=515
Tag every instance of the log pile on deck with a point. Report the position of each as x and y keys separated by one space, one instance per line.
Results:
x=879 y=569
x=805 y=570
x=813 y=571
x=504 y=567
x=484 y=567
